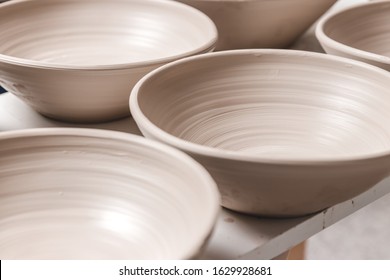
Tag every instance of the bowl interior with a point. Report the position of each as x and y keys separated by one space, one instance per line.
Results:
x=85 y=196
x=268 y=104
x=78 y=33
x=365 y=27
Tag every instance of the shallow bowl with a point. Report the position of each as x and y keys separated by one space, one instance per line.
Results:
x=283 y=133
x=78 y=60
x=361 y=32
x=260 y=23
x=93 y=194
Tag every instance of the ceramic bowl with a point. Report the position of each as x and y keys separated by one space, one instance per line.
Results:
x=283 y=133
x=260 y=23
x=78 y=60
x=92 y=194
x=360 y=32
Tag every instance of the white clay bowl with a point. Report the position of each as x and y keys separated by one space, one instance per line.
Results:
x=361 y=32
x=78 y=60
x=260 y=23
x=91 y=194
x=283 y=133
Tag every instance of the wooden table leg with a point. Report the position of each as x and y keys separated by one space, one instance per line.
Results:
x=298 y=252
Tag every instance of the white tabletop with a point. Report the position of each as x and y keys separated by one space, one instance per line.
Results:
x=236 y=236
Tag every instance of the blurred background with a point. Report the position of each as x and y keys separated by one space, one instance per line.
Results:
x=362 y=236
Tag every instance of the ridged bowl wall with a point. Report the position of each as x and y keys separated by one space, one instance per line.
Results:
x=89 y=194
x=361 y=32
x=283 y=133
x=78 y=60
x=260 y=23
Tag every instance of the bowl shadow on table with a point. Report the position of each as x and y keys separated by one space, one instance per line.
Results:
x=265 y=231
x=24 y=117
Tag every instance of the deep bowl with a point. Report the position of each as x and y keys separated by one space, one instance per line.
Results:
x=283 y=133
x=260 y=23
x=361 y=32
x=94 y=194
x=78 y=60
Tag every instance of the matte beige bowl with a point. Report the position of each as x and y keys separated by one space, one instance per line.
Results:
x=78 y=60
x=361 y=32
x=260 y=23
x=93 y=194
x=283 y=133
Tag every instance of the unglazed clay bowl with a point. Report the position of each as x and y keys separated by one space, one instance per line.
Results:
x=361 y=32
x=246 y=24
x=78 y=60
x=283 y=133
x=94 y=194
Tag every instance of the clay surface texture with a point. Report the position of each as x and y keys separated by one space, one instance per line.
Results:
x=284 y=133
x=91 y=194
x=360 y=32
x=78 y=60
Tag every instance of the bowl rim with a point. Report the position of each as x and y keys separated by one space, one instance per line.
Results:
x=323 y=38
x=159 y=134
x=210 y=188
x=206 y=47
x=250 y=0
